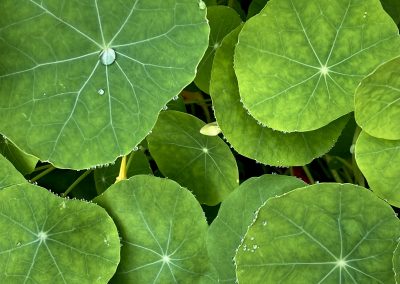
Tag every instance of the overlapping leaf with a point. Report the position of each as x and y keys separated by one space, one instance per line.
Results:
x=49 y=239
x=8 y=174
x=250 y=138
x=83 y=82
x=325 y=233
x=299 y=62
x=163 y=231
x=203 y=164
x=379 y=160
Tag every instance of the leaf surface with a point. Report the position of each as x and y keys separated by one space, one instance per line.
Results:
x=8 y=174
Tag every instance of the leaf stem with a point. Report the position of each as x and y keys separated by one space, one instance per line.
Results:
x=41 y=168
x=42 y=174
x=122 y=170
x=76 y=182
x=336 y=176
x=308 y=174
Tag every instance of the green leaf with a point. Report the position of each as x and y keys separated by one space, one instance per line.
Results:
x=23 y=162
x=379 y=160
x=8 y=174
x=236 y=214
x=222 y=20
x=246 y=135
x=325 y=233
x=137 y=164
x=255 y=7
x=163 y=231
x=49 y=239
x=377 y=101
x=203 y=164
x=392 y=7
x=396 y=263
x=83 y=82
x=299 y=62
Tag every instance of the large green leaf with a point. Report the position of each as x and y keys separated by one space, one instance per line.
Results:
x=325 y=233
x=23 y=162
x=203 y=164
x=247 y=136
x=236 y=214
x=222 y=20
x=377 y=102
x=163 y=231
x=392 y=7
x=83 y=82
x=299 y=62
x=379 y=160
x=396 y=263
x=8 y=174
x=48 y=239
x=137 y=163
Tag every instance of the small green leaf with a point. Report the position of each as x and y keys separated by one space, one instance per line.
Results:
x=163 y=231
x=83 y=82
x=137 y=164
x=203 y=164
x=222 y=20
x=325 y=233
x=23 y=162
x=299 y=62
x=8 y=174
x=49 y=239
x=377 y=102
x=378 y=159
x=236 y=214
x=246 y=135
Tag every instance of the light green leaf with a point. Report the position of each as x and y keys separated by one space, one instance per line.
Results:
x=23 y=162
x=236 y=214
x=163 y=231
x=325 y=233
x=222 y=20
x=377 y=102
x=392 y=7
x=83 y=82
x=48 y=239
x=247 y=136
x=379 y=160
x=299 y=62
x=8 y=174
x=137 y=163
x=396 y=263
x=203 y=164
x=255 y=7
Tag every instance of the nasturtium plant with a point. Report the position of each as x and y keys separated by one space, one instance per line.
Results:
x=325 y=233
x=93 y=75
x=308 y=58
x=199 y=141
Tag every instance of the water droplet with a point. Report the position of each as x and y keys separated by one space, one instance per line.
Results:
x=107 y=56
x=216 y=45
x=352 y=148
x=135 y=148
x=202 y=5
x=101 y=92
x=255 y=246
x=264 y=223
x=165 y=107
x=175 y=98
x=252 y=238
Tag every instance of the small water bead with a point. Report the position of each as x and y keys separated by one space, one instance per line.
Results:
x=107 y=56
x=202 y=5
x=135 y=148
x=175 y=98
x=252 y=238
x=101 y=92
x=165 y=107
x=255 y=247
x=264 y=223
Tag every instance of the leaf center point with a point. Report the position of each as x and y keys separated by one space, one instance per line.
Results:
x=42 y=236
x=324 y=70
x=341 y=263
x=166 y=259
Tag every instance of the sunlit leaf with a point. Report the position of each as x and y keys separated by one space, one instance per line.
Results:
x=299 y=62
x=163 y=231
x=247 y=136
x=83 y=82
x=325 y=233
x=203 y=164
x=379 y=160
x=48 y=239
x=236 y=214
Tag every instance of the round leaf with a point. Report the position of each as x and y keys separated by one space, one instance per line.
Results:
x=203 y=164
x=396 y=263
x=163 y=231
x=8 y=174
x=236 y=214
x=299 y=62
x=247 y=136
x=325 y=233
x=379 y=160
x=83 y=82
x=222 y=20
x=48 y=239
x=377 y=102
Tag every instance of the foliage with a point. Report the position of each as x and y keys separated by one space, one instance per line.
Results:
x=172 y=122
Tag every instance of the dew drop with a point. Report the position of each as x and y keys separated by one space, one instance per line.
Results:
x=101 y=92
x=107 y=56
x=202 y=5
x=175 y=98
x=255 y=246
x=135 y=148
x=264 y=223
x=252 y=238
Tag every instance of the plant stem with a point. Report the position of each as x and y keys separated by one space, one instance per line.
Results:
x=42 y=174
x=308 y=174
x=76 y=182
x=41 y=168
x=336 y=176
x=122 y=170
